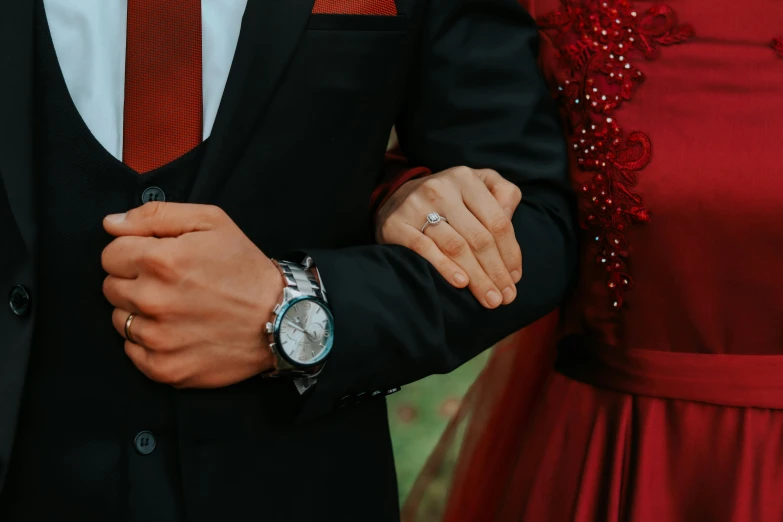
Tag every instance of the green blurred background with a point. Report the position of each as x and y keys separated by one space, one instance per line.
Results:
x=418 y=415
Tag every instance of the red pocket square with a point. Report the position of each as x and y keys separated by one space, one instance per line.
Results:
x=356 y=7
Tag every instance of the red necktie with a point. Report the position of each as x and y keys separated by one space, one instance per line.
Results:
x=163 y=98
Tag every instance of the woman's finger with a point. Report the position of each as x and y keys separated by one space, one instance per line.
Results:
x=397 y=232
x=457 y=248
x=483 y=246
x=506 y=193
x=489 y=211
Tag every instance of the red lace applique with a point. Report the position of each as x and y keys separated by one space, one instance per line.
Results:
x=598 y=41
x=777 y=45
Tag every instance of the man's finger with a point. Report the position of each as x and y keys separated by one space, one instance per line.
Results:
x=119 y=292
x=141 y=295
x=139 y=326
x=145 y=360
x=160 y=219
x=120 y=258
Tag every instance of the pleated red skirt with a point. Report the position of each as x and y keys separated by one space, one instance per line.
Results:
x=620 y=448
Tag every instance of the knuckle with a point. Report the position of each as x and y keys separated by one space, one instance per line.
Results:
x=500 y=225
x=118 y=320
x=516 y=257
x=166 y=370
x=214 y=213
x=151 y=209
x=105 y=253
x=444 y=267
x=156 y=370
x=419 y=244
x=515 y=193
x=155 y=260
x=508 y=196
x=163 y=262
x=499 y=274
x=107 y=286
x=454 y=246
x=387 y=230
x=432 y=190
x=481 y=241
x=111 y=252
x=463 y=173
x=152 y=338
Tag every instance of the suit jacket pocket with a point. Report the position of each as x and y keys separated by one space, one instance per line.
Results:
x=339 y=22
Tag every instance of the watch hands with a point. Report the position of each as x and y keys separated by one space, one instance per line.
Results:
x=294 y=325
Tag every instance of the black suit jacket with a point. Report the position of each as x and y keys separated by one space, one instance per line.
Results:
x=296 y=150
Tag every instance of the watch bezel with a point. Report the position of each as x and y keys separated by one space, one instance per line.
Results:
x=279 y=342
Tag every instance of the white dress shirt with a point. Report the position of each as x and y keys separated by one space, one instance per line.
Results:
x=89 y=39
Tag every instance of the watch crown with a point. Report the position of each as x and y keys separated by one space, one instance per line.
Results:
x=270 y=328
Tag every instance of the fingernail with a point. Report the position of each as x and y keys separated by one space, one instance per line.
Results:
x=460 y=279
x=509 y=294
x=494 y=299
x=115 y=218
x=516 y=275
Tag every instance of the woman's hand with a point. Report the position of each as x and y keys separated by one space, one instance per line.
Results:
x=477 y=248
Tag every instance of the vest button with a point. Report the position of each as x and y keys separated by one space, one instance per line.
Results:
x=144 y=442
x=153 y=194
x=19 y=300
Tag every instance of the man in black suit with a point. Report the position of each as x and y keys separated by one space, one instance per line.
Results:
x=173 y=419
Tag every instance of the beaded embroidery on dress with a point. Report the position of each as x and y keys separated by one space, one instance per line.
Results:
x=598 y=42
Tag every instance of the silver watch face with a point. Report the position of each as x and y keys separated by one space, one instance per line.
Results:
x=305 y=331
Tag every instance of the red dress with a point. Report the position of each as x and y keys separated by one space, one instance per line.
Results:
x=665 y=403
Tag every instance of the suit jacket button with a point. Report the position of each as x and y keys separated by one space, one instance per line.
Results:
x=144 y=442
x=153 y=194
x=19 y=300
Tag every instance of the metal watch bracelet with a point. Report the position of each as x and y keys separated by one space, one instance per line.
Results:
x=304 y=279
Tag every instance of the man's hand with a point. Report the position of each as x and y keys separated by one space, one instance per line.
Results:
x=202 y=292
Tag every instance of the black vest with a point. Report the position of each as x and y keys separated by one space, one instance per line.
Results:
x=87 y=409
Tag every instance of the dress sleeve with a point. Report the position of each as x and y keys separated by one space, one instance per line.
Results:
x=397 y=171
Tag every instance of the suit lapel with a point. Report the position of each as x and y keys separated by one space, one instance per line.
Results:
x=16 y=113
x=270 y=32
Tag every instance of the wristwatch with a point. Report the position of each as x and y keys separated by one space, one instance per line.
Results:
x=301 y=334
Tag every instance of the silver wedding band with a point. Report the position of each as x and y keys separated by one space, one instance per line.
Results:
x=433 y=218
x=128 y=323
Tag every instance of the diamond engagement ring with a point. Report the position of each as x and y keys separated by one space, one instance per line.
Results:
x=433 y=218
